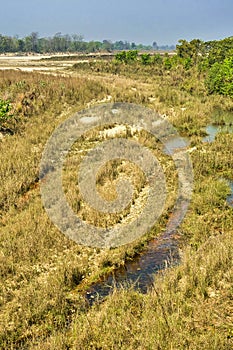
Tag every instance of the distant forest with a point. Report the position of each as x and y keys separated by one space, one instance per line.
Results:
x=69 y=43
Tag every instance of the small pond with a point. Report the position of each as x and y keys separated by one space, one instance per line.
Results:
x=213 y=130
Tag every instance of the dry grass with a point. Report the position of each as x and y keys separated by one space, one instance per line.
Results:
x=43 y=273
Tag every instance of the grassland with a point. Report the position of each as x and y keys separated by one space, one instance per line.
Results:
x=44 y=274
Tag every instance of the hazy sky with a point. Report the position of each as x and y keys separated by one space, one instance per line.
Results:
x=140 y=21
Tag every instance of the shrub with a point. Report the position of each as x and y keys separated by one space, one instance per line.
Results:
x=157 y=59
x=127 y=56
x=146 y=58
x=5 y=108
x=220 y=78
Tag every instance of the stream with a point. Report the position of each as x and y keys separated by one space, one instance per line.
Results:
x=160 y=253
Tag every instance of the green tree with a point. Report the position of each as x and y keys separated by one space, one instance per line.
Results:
x=220 y=78
x=218 y=50
x=194 y=49
x=34 y=39
x=107 y=45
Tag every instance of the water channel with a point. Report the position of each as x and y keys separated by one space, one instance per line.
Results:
x=161 y=252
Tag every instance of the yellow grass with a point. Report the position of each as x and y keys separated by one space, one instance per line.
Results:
x=44 y=274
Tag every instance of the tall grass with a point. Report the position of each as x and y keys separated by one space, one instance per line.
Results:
x=43 y=273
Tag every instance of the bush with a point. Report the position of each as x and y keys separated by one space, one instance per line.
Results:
x=220 y=78
x=127 y=56
x=167 y=63
x=157 y=59
x=146 y=58
x=5 y=108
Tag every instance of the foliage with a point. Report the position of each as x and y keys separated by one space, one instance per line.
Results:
x=218 y=50
x=210 y=51
x=193 y=49
x=213 y=57
x=5 y=108
x=146 y=58
x=127 y=56
x=157 y=59
x=167 y=62
x=121 y=56
x=69 y=43
x=220 y=78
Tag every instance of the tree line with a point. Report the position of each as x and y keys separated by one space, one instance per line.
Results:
x=213 y=58
x=68 y=43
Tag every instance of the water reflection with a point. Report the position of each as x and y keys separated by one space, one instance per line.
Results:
x=213 y=130
x=161 y=253
x=230 y=196
x=172 y=144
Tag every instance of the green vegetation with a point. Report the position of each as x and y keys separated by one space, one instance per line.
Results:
x=68 y=43
x=212 y=61
x=44 y=275
x=220 y=78
x=127 y=56
x=5 y=107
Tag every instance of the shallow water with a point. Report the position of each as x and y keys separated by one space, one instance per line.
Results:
x=230 y=196
x=213 y=130
x=162 y=251
x=174 y=143
x=138 y=272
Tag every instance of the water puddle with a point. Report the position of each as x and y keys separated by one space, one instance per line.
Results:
x=138 y=272
x=172 y=144
x=213 y=130
x=230 y=196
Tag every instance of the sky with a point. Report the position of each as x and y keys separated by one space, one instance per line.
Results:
x=139 y=21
